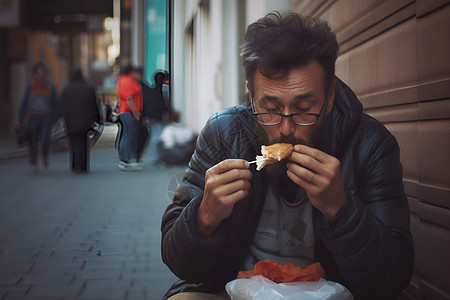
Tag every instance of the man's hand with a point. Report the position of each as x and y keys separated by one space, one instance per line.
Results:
x=136 y=115
x=320 y=175
x=225 y=184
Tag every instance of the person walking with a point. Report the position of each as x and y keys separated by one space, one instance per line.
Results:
x=154 y=111
x=37 y=112
x=80 y=111
x=133 y=132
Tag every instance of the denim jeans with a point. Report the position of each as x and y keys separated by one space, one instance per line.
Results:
x=155 y=128
x=129 y=137
x=40 y=133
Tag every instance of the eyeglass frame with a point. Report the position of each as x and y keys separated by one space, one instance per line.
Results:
x=288 y=115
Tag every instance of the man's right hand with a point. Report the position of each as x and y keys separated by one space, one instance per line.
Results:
x=136 y=115
x=225 y=184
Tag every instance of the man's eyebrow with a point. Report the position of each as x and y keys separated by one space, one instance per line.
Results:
x=298 y=97
x=304 y=96
x=270 y=98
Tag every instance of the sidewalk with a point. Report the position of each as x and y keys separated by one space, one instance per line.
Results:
x=9 y=149
x=89 y=236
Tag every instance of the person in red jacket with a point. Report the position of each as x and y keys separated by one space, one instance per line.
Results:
x=130 y=107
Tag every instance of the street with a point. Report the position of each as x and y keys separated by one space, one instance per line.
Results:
x=83 y=236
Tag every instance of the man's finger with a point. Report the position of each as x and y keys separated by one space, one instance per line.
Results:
x=314 y=153
x=230 y=164
x=306 y=161
x=234 y=186
x=303 y=173
x=236 y=196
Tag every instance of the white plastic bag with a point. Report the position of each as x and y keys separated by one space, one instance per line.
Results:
x=261 y=288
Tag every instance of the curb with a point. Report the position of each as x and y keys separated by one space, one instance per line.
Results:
x=13 y=154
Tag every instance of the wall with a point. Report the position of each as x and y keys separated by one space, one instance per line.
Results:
x=206 y=66
x=395 y=56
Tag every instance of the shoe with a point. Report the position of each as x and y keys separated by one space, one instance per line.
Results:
x=34 y=169
x=123 y=166
x=137 y=166
x=130 y=166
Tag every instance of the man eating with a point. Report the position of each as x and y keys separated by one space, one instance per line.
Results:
x=338 y=199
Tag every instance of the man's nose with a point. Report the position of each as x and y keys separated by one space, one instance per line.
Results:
x=287 y=127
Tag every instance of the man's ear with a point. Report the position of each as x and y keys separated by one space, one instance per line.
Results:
x=248 y=89
x=331 y=95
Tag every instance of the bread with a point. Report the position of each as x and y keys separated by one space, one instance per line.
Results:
x=272 y=154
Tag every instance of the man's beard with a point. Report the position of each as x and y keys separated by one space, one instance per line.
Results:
x=278 y=170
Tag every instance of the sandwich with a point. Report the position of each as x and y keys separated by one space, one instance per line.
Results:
x=272 y=154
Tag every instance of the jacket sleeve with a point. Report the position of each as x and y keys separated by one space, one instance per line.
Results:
x=370 y=239
x=94 y=109
x=188 y=253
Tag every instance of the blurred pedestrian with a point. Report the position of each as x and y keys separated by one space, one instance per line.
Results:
x=177 y=142
x=37 y=111
x=165 y=88
x=80 y=110
x=154 y=111
x=133 y=132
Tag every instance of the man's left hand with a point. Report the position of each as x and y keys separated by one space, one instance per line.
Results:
x=320 y=175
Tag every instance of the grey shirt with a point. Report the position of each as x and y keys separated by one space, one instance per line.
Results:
x=285 y=231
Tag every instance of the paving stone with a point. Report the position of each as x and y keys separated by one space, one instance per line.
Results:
x=96 y=288
x=14 y=291
x=10 y=279
x=53 y=290
x=68 y=236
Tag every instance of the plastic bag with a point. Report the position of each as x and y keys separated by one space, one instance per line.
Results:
x=94 y=134
x=22 y=132
x=288 y=272
x=261 y=288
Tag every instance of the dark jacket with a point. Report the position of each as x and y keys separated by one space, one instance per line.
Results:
x=153 y=102
x=367 y=247
x=79 y=106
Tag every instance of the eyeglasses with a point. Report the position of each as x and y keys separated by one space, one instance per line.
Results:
x=303 y=119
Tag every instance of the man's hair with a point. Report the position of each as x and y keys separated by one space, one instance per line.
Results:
x=277 y=43
x=159 y=76
x=130 y=68
x=76 y=74
x=39 y=66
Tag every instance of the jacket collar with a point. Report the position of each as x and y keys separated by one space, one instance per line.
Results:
x=342 y=120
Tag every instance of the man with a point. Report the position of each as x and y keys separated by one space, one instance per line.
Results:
x=80 y=111
x=37 y=112
x=154 y=112
x=130 y=108
x=337 y=199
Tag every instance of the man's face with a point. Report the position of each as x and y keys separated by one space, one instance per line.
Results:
x=41 y=74
x=300 y=91
x=136 y=75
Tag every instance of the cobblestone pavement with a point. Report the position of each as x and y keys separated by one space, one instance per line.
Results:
x=92 y=236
